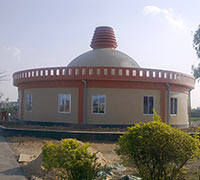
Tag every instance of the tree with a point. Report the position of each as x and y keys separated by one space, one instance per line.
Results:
x=196 y=71
x=196 y=45
x=2 y=76
x=158 y=151
x=195 y=112
x=1 y=95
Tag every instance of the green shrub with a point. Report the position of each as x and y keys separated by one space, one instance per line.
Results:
x=157 y=150
x=71 y=159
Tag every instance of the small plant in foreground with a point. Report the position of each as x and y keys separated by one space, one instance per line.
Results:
x=157 y=150
x=72 y=160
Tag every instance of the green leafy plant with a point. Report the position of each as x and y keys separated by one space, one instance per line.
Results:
x=158 y=151
x=72 y=160
x=196 y=45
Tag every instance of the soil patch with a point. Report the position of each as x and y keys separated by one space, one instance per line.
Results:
x=33 y=170
x=33 y=146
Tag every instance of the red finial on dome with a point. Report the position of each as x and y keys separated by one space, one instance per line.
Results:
x=103 y=37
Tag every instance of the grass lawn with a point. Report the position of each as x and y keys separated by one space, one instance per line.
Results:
x=195 y=118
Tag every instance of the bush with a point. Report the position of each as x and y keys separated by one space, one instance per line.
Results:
x=157 y=150
x=71 y=159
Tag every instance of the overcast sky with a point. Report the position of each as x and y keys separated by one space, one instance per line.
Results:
x=45 y=33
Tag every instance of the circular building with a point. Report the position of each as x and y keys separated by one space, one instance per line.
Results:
x=103 y=87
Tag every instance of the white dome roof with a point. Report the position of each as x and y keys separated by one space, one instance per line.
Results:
x=104 y=57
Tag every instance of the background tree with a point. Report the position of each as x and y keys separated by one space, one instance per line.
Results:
x=1 y=95
x=195 y=112
x=2 y=75
x=196 y=45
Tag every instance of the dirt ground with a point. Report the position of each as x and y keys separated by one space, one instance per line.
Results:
x=33 y=146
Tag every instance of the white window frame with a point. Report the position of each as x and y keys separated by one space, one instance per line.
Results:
x=98 y=95
x=70 y=102
x=29 y=102
x=148 y=104
x=173 y=108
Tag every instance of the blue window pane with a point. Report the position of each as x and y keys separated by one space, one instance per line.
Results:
x=145 y=103
x=175 y=106
x=151 y=105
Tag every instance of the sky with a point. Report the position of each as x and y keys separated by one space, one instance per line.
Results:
x=47 y=33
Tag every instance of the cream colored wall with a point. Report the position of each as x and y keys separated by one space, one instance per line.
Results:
x=123 y=106
x=45 y=105
x=182 y=109
x=19 y=108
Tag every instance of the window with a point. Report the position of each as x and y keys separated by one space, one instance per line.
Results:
x=99 y=104
x=113 y=72
x=90 y=71
x=105 y=71
x=120 y=72
x=148 y=104
x=64 y=104
x=83 y=71
x=29 y=102
x=98 y=71
x=173 y=106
